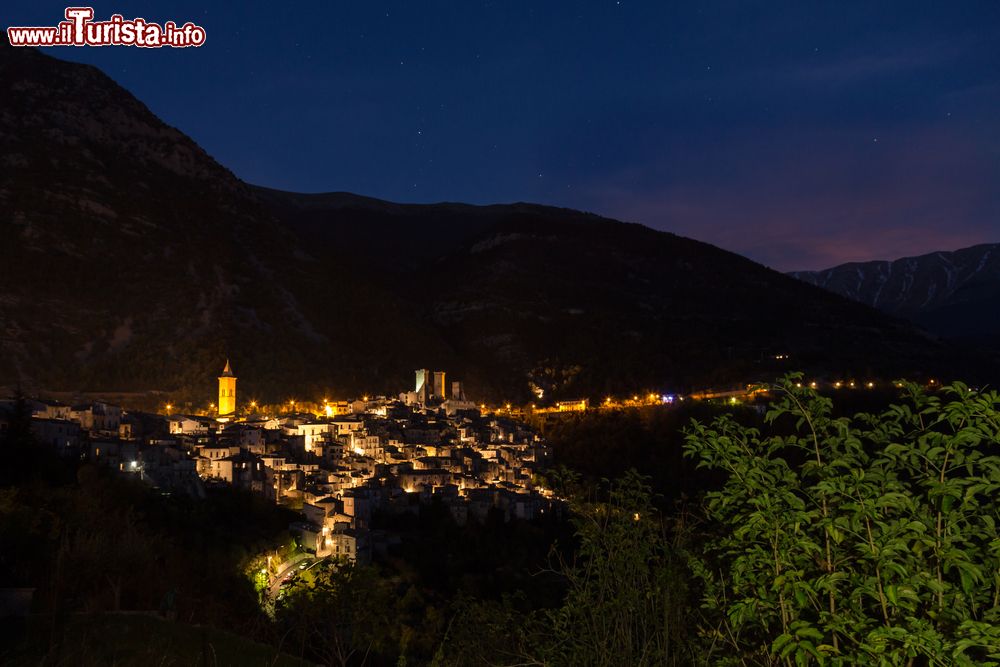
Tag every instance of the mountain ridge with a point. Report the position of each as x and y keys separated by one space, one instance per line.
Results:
x=952 y=293
x=137 y=261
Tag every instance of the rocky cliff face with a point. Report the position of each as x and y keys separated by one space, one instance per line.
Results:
x=956 y=293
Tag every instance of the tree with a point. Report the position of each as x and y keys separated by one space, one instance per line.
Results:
x=869 y=540
x=624 y=590
x=342 y=617
x=17 y=442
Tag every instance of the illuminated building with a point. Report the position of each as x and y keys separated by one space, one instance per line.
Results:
x=572 y=406
x=439 y=385
x=430 y=385
x=227 y=392
x=423 y=386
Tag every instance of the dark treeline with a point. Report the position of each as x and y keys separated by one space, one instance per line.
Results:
x=605 y=444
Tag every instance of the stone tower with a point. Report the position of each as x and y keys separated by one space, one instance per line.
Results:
x=227 y=392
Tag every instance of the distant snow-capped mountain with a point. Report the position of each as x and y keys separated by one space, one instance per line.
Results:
x=952 y=293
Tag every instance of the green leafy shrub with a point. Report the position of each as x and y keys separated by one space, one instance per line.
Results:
x=869 y=540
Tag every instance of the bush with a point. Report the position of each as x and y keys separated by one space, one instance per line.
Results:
x=869 y=540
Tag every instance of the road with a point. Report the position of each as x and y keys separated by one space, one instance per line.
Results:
x=290 y=569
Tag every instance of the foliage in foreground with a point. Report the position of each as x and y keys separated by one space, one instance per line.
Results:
x=625 y=593
x=869 y=540
x=625 y=596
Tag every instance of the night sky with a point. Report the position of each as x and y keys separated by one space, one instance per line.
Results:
x=800 y=134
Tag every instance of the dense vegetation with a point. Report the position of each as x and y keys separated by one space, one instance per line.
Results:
x=822 y=537
x=861 y=541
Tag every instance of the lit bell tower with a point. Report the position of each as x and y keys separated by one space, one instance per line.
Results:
x=227 y=392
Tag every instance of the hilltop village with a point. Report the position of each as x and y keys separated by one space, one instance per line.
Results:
x=336 y=467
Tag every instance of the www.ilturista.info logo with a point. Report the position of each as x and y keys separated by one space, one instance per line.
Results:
x=79 y=29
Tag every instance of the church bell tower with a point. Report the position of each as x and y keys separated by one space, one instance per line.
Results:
x=227 y=392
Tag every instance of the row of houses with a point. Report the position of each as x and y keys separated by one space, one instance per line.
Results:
x=384 y=455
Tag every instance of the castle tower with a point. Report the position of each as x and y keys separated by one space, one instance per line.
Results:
x=227 y=392
x=424 y=384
